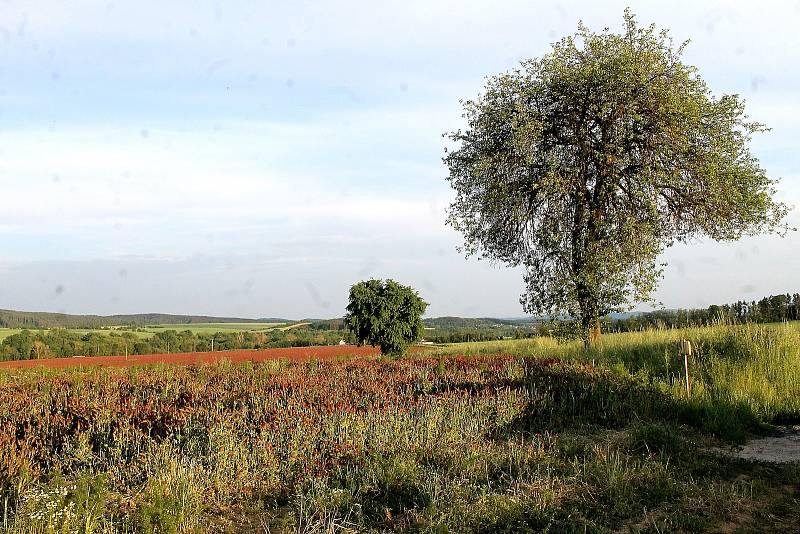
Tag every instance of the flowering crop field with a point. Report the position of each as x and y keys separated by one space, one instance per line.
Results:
x=486 y=443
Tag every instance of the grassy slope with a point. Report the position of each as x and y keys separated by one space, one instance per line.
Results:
x=5 y=332
x=212 y=328
x=434 y=443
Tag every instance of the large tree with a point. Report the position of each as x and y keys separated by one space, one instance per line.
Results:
x=386 y=314
x=584 y=165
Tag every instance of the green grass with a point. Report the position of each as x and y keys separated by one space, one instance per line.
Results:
x=213 y=328
x=5 y=332
x=742 y=377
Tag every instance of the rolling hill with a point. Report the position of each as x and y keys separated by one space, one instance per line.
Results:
x=23 y=319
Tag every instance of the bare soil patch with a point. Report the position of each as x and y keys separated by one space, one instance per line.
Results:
x=783 y=448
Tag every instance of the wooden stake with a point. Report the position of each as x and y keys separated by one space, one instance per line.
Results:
x=686 y=349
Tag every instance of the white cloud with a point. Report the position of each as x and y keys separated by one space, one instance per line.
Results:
x=176 y=190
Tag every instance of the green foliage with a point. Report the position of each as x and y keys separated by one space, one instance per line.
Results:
x=61 y=506
x=60 y=343
x=398 y=487
x=656 y=438
x=583 y=165
x=386 y=314
x=769 y=309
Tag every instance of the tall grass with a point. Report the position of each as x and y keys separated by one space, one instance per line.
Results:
x=753 y=369
x=753 y=365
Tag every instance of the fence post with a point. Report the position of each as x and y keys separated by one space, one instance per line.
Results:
x=686 y=350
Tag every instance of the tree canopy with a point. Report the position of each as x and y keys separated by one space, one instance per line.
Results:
x=385 y=314
x=584 y=165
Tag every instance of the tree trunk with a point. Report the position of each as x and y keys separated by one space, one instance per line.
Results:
x=591 y=331
x=594 y=332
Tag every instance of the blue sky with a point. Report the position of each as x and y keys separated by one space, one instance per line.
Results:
x=256 y=158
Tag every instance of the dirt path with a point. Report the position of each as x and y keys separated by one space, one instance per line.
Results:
x=784 y=448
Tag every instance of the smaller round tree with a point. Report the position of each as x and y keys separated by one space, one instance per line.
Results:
x=385 y=314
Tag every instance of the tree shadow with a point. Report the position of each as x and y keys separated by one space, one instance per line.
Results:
x=567 y=395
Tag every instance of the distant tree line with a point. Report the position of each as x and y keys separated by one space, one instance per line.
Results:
x=469 y=335
x=63 y=343
x=473 y=322
x=771 y=309
x=329 y=324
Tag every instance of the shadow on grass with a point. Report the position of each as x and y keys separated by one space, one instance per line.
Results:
x=564 y=395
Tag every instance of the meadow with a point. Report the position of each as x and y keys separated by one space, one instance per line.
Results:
x=5 y=332
x=213 y=328
x=513 y=436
